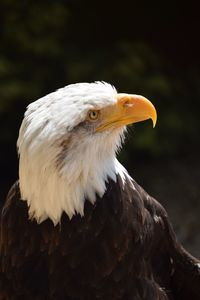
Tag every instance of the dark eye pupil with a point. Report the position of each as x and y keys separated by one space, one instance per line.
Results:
x=93 y=115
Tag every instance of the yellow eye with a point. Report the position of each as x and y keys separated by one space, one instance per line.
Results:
x=93 y=115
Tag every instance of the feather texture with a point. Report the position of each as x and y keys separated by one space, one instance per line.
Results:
x=123 y=248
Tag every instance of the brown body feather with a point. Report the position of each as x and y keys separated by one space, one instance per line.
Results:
x=122 y=249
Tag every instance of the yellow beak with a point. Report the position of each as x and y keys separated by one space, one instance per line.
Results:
x=128 y=109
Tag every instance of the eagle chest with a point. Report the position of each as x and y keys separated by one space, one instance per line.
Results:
x=97 y=250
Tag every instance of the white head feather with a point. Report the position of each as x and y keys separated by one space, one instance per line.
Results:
x=62 y=161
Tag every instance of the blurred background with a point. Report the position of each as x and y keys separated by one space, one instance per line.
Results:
x=141 y=47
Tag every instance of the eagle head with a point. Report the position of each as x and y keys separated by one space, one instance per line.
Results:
x=67 y=146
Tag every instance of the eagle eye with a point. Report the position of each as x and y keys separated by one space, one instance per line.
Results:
x=93 y=115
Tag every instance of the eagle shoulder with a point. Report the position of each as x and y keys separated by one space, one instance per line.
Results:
x=22 y=263
x=173 y=267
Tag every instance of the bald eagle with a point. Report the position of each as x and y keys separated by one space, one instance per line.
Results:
x=76 y=226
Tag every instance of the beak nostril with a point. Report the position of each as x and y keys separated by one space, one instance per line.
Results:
x=127 y=103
